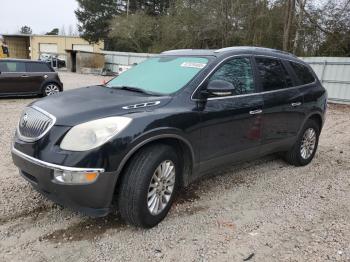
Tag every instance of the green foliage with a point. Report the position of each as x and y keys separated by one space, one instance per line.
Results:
x=157 y=25
x=26 y=30
x=137 y=30
x=94 y=18
x=54 y=31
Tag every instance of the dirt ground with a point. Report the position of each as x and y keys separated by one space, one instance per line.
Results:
x=263 y=210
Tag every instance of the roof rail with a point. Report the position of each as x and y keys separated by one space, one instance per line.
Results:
x=253 y=48
x=175 y=50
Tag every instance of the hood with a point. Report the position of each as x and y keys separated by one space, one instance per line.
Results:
x=84 y=104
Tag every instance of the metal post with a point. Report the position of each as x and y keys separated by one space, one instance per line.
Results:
x=323 y=70
x=127 y=8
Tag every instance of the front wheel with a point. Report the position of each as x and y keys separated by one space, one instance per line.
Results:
x=305 y=147
x=148 y=185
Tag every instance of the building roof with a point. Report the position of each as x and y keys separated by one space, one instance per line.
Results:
x=37 y=35
x=9 y=59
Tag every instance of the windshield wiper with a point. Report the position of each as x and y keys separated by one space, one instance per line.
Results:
x=136 y=89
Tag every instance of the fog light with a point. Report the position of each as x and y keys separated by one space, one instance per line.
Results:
x=75 y=177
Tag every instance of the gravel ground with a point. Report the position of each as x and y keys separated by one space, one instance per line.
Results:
x=263 y=210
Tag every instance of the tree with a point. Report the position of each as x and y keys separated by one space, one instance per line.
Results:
x=149 y=7
x=136 y=29
x=301 y=26
x=26 y=30
x=63 y=30
x=54 y=31
x=333 y=23
x=71 y=30
x=288 y=23
x=94 y=18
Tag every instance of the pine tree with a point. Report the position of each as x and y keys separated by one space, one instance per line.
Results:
x=94 y=18
x=26 y=30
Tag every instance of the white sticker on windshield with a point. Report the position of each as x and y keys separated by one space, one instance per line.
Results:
x=193 y=65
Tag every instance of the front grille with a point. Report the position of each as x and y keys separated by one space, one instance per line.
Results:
x=34 y=124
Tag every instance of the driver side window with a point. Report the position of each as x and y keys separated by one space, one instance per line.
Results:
x=237 y=71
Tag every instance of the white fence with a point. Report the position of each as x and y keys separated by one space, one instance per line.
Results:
x=333 y=72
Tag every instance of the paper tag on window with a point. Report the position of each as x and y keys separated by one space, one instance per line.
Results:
x=193 y=65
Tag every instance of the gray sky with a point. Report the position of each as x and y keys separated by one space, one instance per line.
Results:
x=41 y=15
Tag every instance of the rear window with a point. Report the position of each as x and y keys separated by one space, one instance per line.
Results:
x=12 y=67
x=37 y=67
x=303 y=73
x=272 y=74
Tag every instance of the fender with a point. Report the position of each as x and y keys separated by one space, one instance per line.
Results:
x=313 y=113
x=154 y=135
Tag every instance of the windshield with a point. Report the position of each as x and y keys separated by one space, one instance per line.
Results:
x=162 y=75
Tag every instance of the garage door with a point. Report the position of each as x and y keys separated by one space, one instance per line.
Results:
x=48 y=48
x=87 y=48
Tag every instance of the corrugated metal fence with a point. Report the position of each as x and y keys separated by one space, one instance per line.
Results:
x=334 y=72
x=116 y=59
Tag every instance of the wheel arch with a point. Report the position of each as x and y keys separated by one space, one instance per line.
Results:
x=50 y=81
x=317 y=118
x=182 y=146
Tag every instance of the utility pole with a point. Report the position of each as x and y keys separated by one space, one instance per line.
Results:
x=127 y=8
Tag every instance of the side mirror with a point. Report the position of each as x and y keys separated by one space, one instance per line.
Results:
x=220 y=88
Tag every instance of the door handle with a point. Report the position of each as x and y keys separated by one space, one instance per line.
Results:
x=24 y=76
x=296 y=104
x=255 y=112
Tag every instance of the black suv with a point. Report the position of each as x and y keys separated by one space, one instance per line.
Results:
x=166 y=122
x=27 y=77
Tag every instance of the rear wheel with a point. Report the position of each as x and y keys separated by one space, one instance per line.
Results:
x=50 y=89
x=148 y=185
x=305 y=147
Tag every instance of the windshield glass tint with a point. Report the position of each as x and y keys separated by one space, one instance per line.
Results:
x=164 y=75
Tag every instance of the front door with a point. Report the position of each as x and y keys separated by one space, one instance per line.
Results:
x=13 y=78
x=231 y=125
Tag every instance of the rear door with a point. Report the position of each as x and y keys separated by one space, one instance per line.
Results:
x=231 y=125
x=37 y=74
x=282 y=111
x=309 y=87
x=13 y=77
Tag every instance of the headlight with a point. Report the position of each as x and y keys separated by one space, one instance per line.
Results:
x=93 y=134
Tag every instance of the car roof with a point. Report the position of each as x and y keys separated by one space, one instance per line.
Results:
x=20 y=60
x=236 y=50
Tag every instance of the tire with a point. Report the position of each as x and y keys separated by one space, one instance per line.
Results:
x=135 y=187
x=296 y=156
x=50 y=89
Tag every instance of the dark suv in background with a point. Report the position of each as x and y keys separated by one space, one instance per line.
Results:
x=27 y=77
x=165 y=123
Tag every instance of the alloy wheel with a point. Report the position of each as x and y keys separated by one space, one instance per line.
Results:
x=308 y=143
x=51 y=89
x=161 y=187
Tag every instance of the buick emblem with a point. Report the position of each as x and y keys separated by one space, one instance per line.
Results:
x=24 y=120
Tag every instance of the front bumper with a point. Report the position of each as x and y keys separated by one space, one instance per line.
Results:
x=92 y=199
